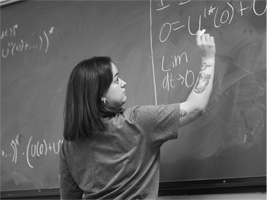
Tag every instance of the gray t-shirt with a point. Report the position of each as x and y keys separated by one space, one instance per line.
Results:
x=123 y=162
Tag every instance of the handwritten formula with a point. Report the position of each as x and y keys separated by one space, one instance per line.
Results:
x=219 y=18
x=12 y=45
x=33 y=149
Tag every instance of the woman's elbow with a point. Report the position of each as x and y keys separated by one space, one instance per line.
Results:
x=200 y=110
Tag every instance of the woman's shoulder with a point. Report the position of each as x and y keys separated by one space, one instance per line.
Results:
x=140 y=111
x=151 y=107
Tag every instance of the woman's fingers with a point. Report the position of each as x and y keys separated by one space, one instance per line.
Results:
x=199 y=36
x=205 y=42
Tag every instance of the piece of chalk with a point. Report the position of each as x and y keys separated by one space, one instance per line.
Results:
x=203 y=31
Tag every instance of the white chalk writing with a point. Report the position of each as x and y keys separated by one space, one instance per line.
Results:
x=32 y=150
x=14 y=45
x=9 y=32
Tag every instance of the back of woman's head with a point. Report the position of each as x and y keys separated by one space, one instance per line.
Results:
x=88 y=82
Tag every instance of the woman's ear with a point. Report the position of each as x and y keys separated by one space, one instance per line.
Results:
x=104 y=100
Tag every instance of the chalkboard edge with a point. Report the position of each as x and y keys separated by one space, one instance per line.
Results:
x=190 y=187
x=9 y=2
x=214 y=186
x=31 y=194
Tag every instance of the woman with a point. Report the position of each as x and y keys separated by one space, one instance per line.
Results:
x=112 y=153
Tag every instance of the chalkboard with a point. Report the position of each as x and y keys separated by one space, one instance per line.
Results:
x=153 y=45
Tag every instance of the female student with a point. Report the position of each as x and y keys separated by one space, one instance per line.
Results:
x=113 y=153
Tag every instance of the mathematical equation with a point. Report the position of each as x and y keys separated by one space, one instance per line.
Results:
x=32 y=150
x=38 y=41
x=220 y=14
x=219 y=18
x=170 y=80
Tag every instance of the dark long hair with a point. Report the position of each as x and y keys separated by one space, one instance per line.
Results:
x=84 y=111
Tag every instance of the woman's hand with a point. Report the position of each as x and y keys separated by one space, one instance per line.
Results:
x=206 y=44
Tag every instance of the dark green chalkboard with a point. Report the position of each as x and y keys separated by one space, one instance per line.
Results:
x=153 y=45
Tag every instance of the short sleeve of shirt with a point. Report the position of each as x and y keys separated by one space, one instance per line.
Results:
x=157 y=123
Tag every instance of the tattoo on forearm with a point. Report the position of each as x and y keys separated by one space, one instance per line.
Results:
x=204 y=66
x=182 y=113
x=203 y=82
